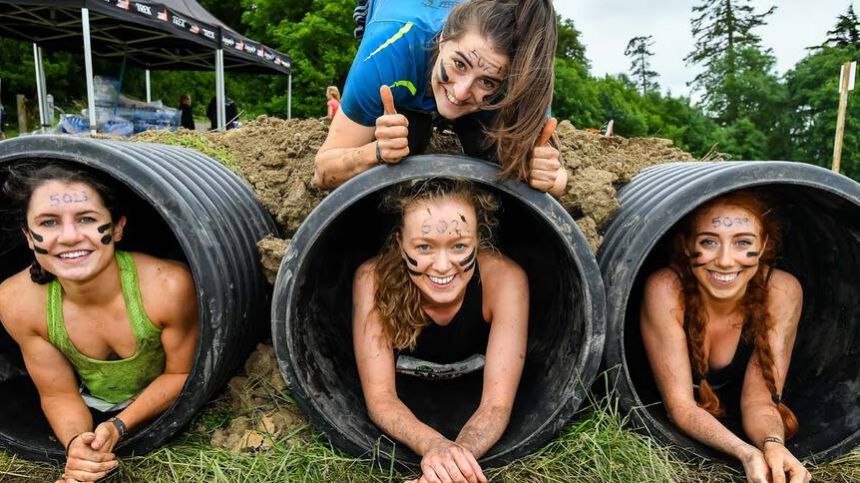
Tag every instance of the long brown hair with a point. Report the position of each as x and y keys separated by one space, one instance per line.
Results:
x=756 y=319
x=398 y=300
x=525 y=31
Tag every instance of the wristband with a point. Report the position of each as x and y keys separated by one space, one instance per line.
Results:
x=379 y=154
x=772 y=439
x=69 y=444
x=119 y=425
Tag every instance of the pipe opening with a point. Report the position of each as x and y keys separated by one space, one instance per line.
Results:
x=21 y=418
x=321 y=358
x=821 y=247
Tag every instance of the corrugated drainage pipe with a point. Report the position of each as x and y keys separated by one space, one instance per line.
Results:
x=182 y=205
x=820 y=212
x=311 y=314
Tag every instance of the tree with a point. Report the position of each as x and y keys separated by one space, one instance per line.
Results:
x=846 y=32
x=812 y=99
x=723 y=29
x=569 y=46
x=638 y=49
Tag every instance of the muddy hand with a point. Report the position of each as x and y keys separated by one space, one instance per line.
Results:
x=546 y=173
x=392 y=131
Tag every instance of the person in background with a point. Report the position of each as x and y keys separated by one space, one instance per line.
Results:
x=231 y=114
x=332 y=96
x=186 y=119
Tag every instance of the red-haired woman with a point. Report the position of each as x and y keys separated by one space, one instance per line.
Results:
x=719 y=326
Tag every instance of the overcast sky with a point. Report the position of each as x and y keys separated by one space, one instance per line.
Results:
x=607 y=26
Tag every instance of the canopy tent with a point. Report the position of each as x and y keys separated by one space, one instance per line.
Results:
x=163 y=35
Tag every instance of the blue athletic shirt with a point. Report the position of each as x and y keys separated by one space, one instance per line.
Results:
x=395 y=50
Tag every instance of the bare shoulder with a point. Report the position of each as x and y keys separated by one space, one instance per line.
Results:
x=22 y=304
x=785 y=297
x=783 y=285
x=364 y=280
x=661 y=300
x=166 y=286
x=497 y=270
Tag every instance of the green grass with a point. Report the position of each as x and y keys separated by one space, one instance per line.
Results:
x=597 y=447
x=191 y=139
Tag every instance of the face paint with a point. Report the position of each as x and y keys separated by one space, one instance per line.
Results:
x=107 y=239
x=413 y=262
x=40 y=250
x=469 y=262
x=104 y=227
x=442 y=74
x=694 y=256
x=36 y=236
x=752 y=254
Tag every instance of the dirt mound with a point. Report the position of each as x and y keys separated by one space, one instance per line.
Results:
x=277 y=159
x=256 y=399
x=598 y=166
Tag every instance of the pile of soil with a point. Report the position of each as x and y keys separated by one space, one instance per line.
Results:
x=260 y=413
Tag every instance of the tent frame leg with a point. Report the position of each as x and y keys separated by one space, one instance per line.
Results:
x=148 y=87
x=220 y=96
x=88 y=62
x=41 y=88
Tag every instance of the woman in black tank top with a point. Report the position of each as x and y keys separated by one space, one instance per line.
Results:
x=719 y=326
x=439 y=302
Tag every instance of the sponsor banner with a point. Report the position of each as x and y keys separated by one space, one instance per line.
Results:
x=229 y=40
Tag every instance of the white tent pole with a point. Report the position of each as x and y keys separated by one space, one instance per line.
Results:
x=48 y=109
x=40 y=90
x=88 y=61
x=148 y=87
x=290 y=96
x=219 y=89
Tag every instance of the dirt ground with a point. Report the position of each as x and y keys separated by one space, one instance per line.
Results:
x=277 y=157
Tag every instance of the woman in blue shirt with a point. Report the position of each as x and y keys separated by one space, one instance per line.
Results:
x=484 y=65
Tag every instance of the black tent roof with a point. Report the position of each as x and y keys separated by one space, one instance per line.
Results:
x=157 y=35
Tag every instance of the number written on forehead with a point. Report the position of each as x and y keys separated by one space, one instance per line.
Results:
x=67 y=197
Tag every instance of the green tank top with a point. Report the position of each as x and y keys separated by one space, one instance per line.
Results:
x=117 y=380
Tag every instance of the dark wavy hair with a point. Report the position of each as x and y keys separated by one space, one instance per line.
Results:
x=756 y=318
x=397 y=300
x=23 y=178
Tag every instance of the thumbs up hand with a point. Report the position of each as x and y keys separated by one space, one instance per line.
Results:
x=547 y=174
x=392 y=131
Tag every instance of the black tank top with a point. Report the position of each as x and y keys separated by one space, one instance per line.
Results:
x=735 y=371
x=467 y=333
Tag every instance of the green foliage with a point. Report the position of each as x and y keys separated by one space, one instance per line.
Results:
x=846 y=32
x=812 y=102
x=569 y=46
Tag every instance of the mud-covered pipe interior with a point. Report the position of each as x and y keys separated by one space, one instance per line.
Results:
x=21 y=417
x=821 y=247
x=323 y=357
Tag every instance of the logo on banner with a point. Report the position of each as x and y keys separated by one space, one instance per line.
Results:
x=240 y=45
x=179 y=21
x=194 y=29
x=208 y=34
x=123 y=4
x=144 y=9
x=228 y=41
x=163 y=15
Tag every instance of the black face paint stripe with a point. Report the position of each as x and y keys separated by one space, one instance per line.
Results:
x=36 y=236
x=753 y=254
x=414 y=273
x=107 y=239
x=410 y=260
x=468 y=260
x=442 y=74
x=470 y=266
x=104 y=227
x=40 y=250
x=694 y=256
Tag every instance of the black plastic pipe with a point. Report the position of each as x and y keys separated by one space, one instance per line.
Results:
x=820 y=213
x=311 y=314
x=182 y=205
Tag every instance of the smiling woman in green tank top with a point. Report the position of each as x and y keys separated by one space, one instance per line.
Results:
x=105 y=334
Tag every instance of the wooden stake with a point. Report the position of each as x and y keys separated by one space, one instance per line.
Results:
x=22 y=114
x=845 y=84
